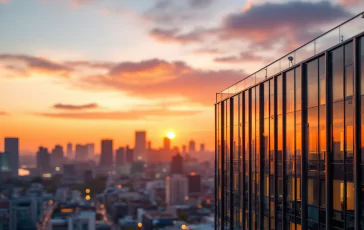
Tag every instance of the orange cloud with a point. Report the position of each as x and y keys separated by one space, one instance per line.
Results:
x=122 y=115
x=76 y=107
x=243 y=57
x=4 y=1
x=23 y=65
x=350 y=3
x=150 y=79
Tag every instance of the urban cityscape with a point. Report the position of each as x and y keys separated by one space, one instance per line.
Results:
x=119 y=188
x=181 y=114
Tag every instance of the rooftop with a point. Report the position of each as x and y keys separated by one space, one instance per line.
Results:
x=333 y=37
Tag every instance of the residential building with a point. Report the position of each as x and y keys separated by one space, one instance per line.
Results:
x=176 y=189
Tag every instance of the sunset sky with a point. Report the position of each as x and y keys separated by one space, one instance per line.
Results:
x=83 y=70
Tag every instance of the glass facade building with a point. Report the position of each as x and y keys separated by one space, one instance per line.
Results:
x=290 y=141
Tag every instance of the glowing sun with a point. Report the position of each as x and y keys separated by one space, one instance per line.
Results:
x=170 y=135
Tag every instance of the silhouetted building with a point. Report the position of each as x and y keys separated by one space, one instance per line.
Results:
x=177 y=164
x=202 y=148
x=69 y=151
x=57 y=156
x=184 y=149
x=43 y=160
x=70 y=174
x=120 y=156
x=194 y=184
x=289 y=140
x=166 y=144
x=90 y=150
x=140 y=146
x=5 y=214
x=106 y=158
x=87 y=176
x=11 y=146
x=149 y=145
x=129 y=155
x=81 y=153
x=192 y=146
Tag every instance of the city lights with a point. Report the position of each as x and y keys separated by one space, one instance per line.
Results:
x=88 y=190
x=187 y=198
x=184 y=226
x=120 y=186
x=140 y=225
x=88 y=197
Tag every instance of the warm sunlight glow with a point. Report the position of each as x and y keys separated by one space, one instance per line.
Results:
x=170 y=135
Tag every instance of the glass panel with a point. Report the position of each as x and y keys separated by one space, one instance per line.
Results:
x=338 y=131
x=349 y=84
x=266 y=99
x=312 y=84
x=349 y=54
x=290 y=91
x=322 y=77
x=279 y=95
x=312 y=117
x=298 y=86
x=338 y=74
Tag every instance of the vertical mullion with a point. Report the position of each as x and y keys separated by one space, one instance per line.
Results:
x=250 y=197
x=232 y=213
x=304 y=148
x=275 y=153
x=243 y=156
x=222 y=165
x=216 y=176
x=357 y=134
x=328 y=154
x=283 y=128
x=261 y=152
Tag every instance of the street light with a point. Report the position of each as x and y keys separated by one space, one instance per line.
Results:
x=88 y=190
x=140 y=225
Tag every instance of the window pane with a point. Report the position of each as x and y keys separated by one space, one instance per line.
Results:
x=279 y=95
x=290 y=91
x=338 y=73
x=312 y=83
x=298 y=84
x=349 y=54
x=322 y=77
x=338 y=131
x=349 y=81
x=266 y=99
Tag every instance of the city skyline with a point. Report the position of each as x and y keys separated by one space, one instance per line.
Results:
x=156 y=66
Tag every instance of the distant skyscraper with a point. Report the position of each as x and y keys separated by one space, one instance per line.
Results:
x=167 y=144
x=57 y=156
x=149 y=145
x=202 y=148
x=129 y=155
x=4 y=162
x=69 y=151
x=90 y=150
x=176 y=189
x=194 y=184
x=192 y=146
x=140 y=144
x=177 y=164
x=12 y=148
x=184 y=149
x=81 y=153
x=106 y=157
x=120 y=156
x=43 y=160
